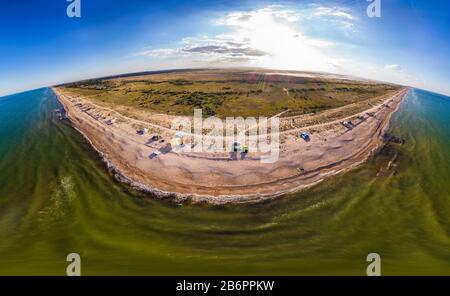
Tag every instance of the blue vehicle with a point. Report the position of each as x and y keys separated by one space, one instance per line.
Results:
x=305 y=136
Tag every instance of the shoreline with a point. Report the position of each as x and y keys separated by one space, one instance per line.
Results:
x=286 y=184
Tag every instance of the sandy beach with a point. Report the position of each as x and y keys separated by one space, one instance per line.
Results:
x=216 y=177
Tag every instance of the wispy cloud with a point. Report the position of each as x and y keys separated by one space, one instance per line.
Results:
x=219 y=46
x=340 y=17
x=159 y=52
x=394 y=67
x=231 y=50
x=333 y=12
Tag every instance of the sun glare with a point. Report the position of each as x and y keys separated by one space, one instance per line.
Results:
x=285 y=45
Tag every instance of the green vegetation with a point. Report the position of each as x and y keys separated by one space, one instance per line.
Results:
x=228 y=93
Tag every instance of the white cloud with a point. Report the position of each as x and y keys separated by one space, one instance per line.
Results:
x=268 y=37
x=160 y=52
x=234 y=50
x=393 y=67
x=333 y=12
x=220 y=48
x=339 y=17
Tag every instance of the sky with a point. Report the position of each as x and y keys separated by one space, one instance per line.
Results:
x=41 y=46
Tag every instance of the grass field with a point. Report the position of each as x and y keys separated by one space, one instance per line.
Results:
x=228 y=92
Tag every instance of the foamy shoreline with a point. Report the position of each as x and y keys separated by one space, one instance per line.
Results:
x=285 y=183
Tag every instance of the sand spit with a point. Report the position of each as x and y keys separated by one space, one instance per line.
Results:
x=218 y=179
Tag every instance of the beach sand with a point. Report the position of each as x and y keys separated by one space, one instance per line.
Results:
x=216 y=178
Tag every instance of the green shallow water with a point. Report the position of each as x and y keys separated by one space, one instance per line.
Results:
x=56 y=197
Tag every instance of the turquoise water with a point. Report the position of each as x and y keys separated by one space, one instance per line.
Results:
x=56 y=197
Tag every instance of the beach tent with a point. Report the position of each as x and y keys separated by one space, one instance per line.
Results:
x=142 y=131
x=111 y=121
x=176 y=142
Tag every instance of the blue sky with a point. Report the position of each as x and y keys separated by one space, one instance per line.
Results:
x=41 y=46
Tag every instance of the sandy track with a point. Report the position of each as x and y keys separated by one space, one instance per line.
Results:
x=217 y=179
